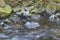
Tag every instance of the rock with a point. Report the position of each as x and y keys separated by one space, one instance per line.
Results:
x=12 y=2
x=31 y=25
x=12 y=31
x=55 y=33
x=19 y=38
x=35 y=17
x=26 y=3
x=7 y=20
x=58 y=15
x=2 y=35
x=1 y=23
x=18 y=13
x=15 y=18
x=7 y=26
x=36 y=10
x=5 y=11
x=2 y=3
x=17 y=8
x=50 y=8
x=53 y=18
x=26 y=13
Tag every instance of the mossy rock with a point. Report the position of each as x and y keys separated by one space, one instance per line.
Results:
x=5 y=11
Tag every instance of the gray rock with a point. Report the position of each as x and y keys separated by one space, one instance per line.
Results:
x=26 y=13
x=32 y=25
x=51 y=11
x=19 y=38
x=7 y=26
x=55 y=32
x=1 y=23
x=7 y=20
x=18 y=13
x=54 y=18
x=35 y=17
x=17 y=8
x=15 y=18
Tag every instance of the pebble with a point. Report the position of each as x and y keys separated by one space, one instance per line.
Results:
x=32 y=25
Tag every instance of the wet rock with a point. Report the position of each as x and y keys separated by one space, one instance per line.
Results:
x=19 y=38
x=1 y=23
x=15 y=19
x=36 y=10
x=17 y=8
x=7 y=20
x=7 y=26
x=2 y=35
x=5 y=11
x=26 y=13
x=54 y=18
x=50 y=11
x=50 y=8
x=12 y=31
x=35 y=17
x=55 y=33
x=12 y=2
x=18 y=13
x=17 y=26
x=58 y=15
x=32 y=25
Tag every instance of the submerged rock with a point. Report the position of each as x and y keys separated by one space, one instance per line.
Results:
x=32 y=25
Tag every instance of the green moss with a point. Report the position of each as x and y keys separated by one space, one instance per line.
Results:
x=5 y=11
